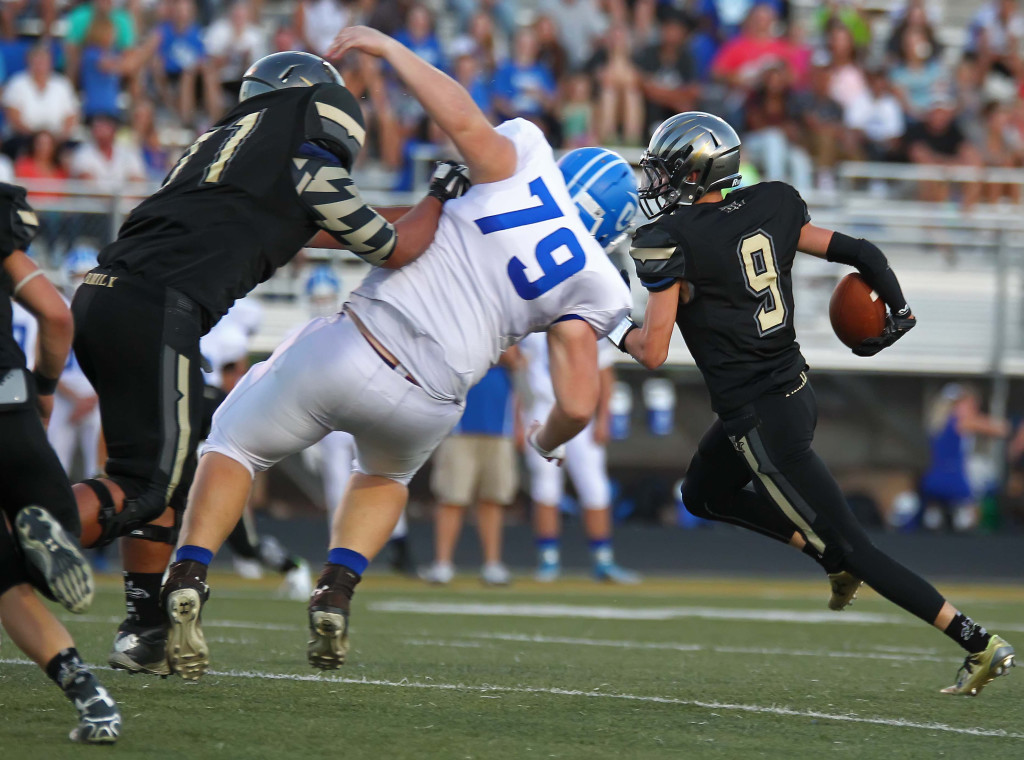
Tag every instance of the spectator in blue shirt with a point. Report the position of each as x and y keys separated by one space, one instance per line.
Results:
x=181 y=61
x=418 y=35
x=477 y=465
x=466 y=70
x=523 y=86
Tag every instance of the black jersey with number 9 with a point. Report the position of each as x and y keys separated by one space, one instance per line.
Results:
x=737 y=255
x=228 y=213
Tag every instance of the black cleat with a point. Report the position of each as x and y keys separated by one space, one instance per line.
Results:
x=142 y=650
x=183 y=596
x=99 y=721
x=328 y=617
x=56 y=557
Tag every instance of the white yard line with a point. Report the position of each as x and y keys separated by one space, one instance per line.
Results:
x=677 y=647
x=555 y=691
x=213 y=623
x=594 y=612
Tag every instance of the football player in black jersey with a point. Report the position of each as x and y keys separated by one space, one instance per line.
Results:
x=240 y=202
x=721 y=269
x=38 y=516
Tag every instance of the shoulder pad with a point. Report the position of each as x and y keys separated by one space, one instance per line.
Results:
x=334 y=121
x=658 y=256
x=18 y=222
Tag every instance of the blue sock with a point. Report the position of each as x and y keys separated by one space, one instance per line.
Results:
x=601 y=550
x=547 y=548
x=195 y=553
x=354 y=561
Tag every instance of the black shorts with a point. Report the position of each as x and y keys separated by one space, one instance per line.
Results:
x=30 y=475
x=138 y=343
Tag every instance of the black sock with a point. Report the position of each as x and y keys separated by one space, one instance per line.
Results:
x=63 y=667
x=339 y=579
x=142 y=599
x=968 y=634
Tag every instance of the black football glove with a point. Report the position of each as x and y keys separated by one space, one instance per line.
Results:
x=896 y=326
x=449 y=180
x=18 y=222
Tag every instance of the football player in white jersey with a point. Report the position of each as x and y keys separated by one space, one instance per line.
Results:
x=337 y=451
x=510 y=257
x=586 y=467
x=75 y=422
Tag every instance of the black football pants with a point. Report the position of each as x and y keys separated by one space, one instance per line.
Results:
x=138 y=343
x=30 y=475
x=768 y=443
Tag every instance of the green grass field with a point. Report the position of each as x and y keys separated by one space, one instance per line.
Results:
x=697 y=669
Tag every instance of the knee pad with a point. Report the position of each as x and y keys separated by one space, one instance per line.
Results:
x=694 y=498
x=139 y=509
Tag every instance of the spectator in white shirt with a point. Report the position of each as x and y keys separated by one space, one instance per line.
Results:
x=996 y=31
x=233 y=42
x=40 y=100
x=876 y=120
x=109 y=163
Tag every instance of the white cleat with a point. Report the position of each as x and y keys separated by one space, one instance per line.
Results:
x=187 y=652
x=66 y=573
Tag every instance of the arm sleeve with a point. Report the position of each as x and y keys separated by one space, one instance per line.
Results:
x=873 y=266
x=658 y=256
x=334 y=122
x=333 y=200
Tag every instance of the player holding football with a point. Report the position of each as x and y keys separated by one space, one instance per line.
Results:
x=516 y=254
x=240 y=202
x=721 y=268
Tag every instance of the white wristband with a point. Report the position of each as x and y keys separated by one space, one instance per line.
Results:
x=556 y=453
x=25 y=281
x=618 y=334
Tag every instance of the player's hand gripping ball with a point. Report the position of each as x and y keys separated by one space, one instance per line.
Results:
x=859 y=317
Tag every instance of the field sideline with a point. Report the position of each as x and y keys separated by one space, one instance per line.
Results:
x=714 y=668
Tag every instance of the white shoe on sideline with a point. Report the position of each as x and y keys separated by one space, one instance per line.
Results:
x=250 y=569
x=495 y=574
x=439 y=573
x=298 y=583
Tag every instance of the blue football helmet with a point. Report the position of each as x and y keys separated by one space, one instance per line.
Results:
x=79 y=260
x=603 y=186
x=323 y=283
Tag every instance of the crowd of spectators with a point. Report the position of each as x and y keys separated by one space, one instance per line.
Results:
x=93 y=90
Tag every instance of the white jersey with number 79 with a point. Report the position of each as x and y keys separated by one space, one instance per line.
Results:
x=509 y=258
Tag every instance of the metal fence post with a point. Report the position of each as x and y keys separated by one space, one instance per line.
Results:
x=1000 y=382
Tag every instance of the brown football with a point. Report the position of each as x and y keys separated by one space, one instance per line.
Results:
x=856 y=311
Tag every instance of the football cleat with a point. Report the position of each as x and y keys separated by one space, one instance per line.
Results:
x=99 y=721
x=609 y=572
x=328 y=619
x=548 y=572
x=495 y=574
x=438 y=574
x=844 y=589
x=184 y=593
x=140 y=651
x=50 y=551
x=328 y=638
x=982 y=668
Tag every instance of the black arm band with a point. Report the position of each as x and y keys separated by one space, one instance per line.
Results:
x=45 y=386
x=871 y=263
